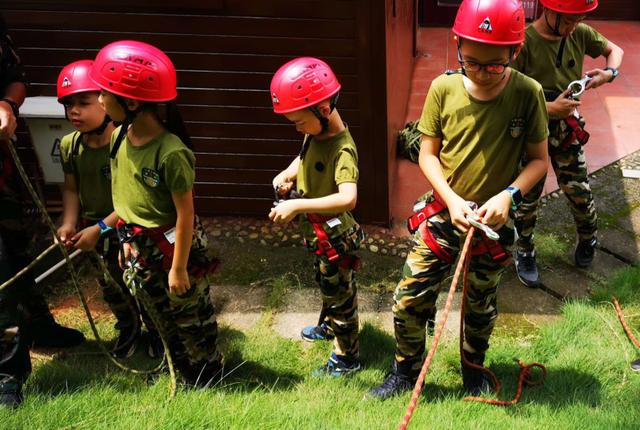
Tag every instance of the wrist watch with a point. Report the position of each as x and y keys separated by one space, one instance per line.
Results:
x=14 y=106
x=103 y=227
x=614 y=72
x=516 y=197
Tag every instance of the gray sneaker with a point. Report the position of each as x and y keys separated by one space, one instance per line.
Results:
x=635 y=365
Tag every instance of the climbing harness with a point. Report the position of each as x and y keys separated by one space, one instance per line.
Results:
x=146 y=302
x=462 y=269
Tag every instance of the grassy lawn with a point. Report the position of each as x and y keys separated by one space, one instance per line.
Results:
x=586 y=352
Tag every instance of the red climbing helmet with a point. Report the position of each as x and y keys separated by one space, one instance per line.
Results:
x=135 y=70
x=74 y=79
x=570 y=6
x=302 y=83
x=495 y=22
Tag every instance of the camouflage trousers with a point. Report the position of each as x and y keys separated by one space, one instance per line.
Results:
x=188 y=322
x=570 y=167
x=116 y=294
x=337 y=283
x=416 y=294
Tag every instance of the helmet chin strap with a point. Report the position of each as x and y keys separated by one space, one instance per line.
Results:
x=324 y=122
x=555 y=29
x=130 y=115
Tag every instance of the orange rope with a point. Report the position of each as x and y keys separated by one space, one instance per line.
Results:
x=625 y=326
x=525 y=370
x=417 y=389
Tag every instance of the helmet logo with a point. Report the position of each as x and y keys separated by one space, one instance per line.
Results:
x=66 y=82
x=589 y=1
x=276 y=100
x=486 y=27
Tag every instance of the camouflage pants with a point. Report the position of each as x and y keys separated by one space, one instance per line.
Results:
x=188 y=321
x=116 y=294
x=570 y=166
x=416 y=294
x=339 y=293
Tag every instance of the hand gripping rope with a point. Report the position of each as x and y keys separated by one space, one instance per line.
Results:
x=144 y=298
x=462 y=268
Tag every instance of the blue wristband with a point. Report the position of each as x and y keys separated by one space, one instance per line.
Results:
x=103 y=227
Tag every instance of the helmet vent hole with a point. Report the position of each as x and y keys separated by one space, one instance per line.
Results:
x=112 y=69
x=110 y=84
x=306 y=99
x=299 y=87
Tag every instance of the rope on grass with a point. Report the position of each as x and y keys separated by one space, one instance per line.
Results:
x=76 y=283
x=623 y=321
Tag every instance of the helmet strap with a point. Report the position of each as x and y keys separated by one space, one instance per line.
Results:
x=324 y=122
x=130 y=115
x=555 y=29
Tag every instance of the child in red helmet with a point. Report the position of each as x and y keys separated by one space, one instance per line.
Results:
x=477 y=124
x=87 y=194
x=305 y=90
x=153 y=171
x=553 y=54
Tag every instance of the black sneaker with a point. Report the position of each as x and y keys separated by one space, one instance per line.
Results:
x=527 y=269
x=475 y=381
x=635 y=365
x=315 y=333
x=338 y=366
x=585 y=250
x=394 y=383
x=153 y=343
x=10 y=391
x=126 y=343
x=53 y=335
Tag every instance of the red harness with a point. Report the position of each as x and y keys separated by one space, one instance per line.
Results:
x=157 y=235
x=417 y=223
x=325 y=247
x=577 y=133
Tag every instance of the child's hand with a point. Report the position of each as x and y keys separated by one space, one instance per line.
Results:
x=65 y=233
x=598 y=77
x=458 y=211
x=283 y=178
x=123 y=257
x=562 y=107
x=87 y=238
x=495 y=211
x=284 y=212
x=178 y=281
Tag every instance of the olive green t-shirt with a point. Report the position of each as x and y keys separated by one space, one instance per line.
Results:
x=143 y=178
x=483 y=141
x=327 y=164
x=538 y=57
x=92 y=171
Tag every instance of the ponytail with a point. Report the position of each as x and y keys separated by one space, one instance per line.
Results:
x=175 y=124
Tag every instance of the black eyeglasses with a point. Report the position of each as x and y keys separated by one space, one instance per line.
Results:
x=472 y=66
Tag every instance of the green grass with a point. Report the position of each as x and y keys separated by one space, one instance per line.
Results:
x=589 y=385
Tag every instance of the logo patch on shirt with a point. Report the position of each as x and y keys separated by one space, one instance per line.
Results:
x=150 y=177
x=516 y=127
x=106 y=171
x=486 y=27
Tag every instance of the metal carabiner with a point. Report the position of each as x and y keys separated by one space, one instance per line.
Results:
x=491 y=234
x=576 y=88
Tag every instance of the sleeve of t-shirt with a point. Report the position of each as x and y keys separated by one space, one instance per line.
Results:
x=430 y=123
x=346 y=167
x=178 y=170
x=538 y=121
x=594 y=42
x=66 y=145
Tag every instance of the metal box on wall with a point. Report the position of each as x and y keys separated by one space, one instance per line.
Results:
x=47 y=124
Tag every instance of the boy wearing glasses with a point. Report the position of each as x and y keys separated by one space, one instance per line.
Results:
x=553 y=55
x=477 y=125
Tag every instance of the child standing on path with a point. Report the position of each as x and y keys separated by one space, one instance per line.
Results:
x=553 y=54
x=305 y=91
x=477 y=125
x=153 y=172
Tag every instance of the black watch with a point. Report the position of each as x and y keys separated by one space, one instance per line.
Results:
x=614 y=71
x=14 y=106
